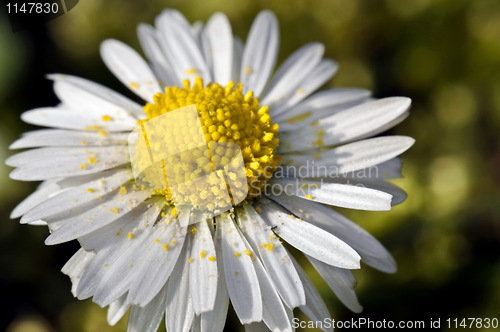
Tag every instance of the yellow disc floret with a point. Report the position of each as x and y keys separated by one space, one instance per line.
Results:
x=231 y=144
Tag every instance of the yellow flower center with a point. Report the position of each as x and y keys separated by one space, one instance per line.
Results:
x=209 y=145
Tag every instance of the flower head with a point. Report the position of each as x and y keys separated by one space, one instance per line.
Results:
x=185 y=202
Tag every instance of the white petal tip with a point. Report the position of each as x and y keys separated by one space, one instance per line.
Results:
x=357 y=309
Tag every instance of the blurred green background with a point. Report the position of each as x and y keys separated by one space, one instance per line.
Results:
x=444 y=54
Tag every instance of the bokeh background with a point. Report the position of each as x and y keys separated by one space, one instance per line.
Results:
x=444 y=54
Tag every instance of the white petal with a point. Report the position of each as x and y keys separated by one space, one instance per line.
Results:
x=157 y=262
x=54 y=137
x=74 y=224
x=323 y=71
x=315 y=308
x=130 y=68
x=38 y=223
x=79 y=195
x=387 y=170
x=55 y=162
x=175 y=16
x=390 y=169
x=371 y=251
x=179 y=313
x=203 y=271
x=274 y=314
x=237 y=58
x=220 y=39
x=353 y=156
x=337 y=194
x=260 y=53
x=241 y=278
x=376 y=182
x=86 y=96
x=149 y=317
x=201 y=37
x=325 y=102
x=310 y=239
x=214 y=321
x=361 y=121
x=75 y=267
x=292 y=72
x=398 y=194
x=181 y=49
x=48 y=189
x=274 y=257
x=65 y=118
x=44 y=191
x=119 y=249
x=341 y=281
x=117 y=310
x=149 y=41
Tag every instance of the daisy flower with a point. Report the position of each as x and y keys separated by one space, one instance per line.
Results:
x=190 y=200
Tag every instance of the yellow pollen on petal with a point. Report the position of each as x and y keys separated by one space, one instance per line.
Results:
x=190 y=259
x=130 y=235
x=299 y=118
x=319 y=134
x=114 y=210
x=83 y=142
x=92 y=160
x=308 y=197
x=165 y=247
x=237 y=254
x=156 y=240
x=192 y=71
x=90 y=190
x=247 y=252
x=212 y=258
x=248 y=70
x=106 y=118
x=122 y=190
x=203 y=254
x=91 y=128
x=268 y=245
x=134 y=85
x=83 y=166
